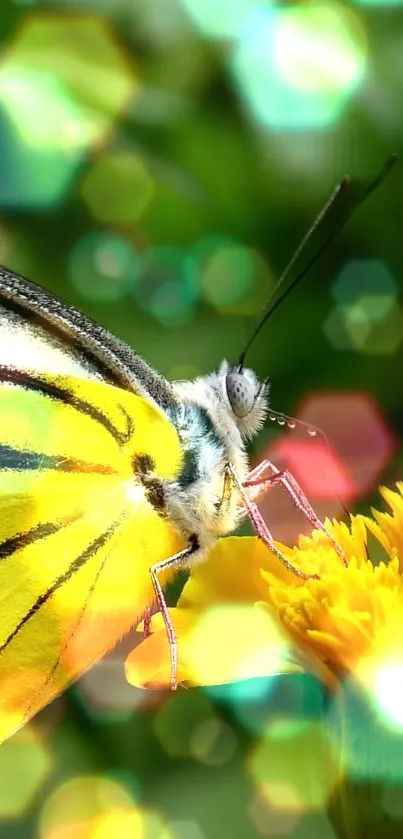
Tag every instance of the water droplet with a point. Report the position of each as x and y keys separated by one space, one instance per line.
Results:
x=291 y=423
x=312 y=431
x=281 y=420
x=272 y=417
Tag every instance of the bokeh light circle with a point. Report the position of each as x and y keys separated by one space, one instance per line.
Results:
x=360 y=445
x=219 y=20
x=104 y=266
x=284 y=767
x=232 y=278
x=98 y=807
x=367 y=317
x=213 y=742
x=178 y=719
x=387 y=692
x=361 y=278
x=64 y=82
x=168 y=285
x=118 y=188
x=296 y=68
x=25 y=765
x=372 y=326
x=76 y=51
x=319 y=47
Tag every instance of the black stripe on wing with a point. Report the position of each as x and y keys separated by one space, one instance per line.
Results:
x=75 y=566
x=60 y=394
x=16 y=460
x=102 y=350
x=34 y=534
x=68 y=640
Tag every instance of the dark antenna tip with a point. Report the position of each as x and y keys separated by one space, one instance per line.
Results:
x=324 y=213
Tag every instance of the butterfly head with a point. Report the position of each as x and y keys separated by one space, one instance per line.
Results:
x=246 y=397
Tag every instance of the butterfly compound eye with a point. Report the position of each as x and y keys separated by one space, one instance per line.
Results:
x=241 y=393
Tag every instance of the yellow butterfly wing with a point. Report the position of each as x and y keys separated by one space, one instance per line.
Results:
x=77 y=533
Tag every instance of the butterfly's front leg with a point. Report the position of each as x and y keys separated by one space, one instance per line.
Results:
x=176 y=561
x=267 y=475
x=261 y=527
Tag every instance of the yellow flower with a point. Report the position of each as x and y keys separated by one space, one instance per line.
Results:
x=242 y=614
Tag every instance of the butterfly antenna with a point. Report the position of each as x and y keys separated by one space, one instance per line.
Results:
x=327 y=210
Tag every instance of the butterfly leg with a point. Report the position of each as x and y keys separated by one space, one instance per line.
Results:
x=284 y=478
x=147 y=623
x=176 y=561
x=263 y=531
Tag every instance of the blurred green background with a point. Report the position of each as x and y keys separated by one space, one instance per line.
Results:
x=159 y=162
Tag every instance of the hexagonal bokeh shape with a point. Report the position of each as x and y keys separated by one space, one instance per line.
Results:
x=284 y=520
x=25 y=764
x=332 y=470
x=288 y=768
x=315 y=824
x=232 y=278
x=64 y=81
x=213 y=742
x=376 y=307
x=35 y=177
x=367 y=317
x=311 y=57
x=167 y=287
x=105 y=692
x=360 y=446
x=373 y=325
x=347 y=328
x=386 y=333
x=83 y=55
x=220 y=20
x=269 y=821
x=362 y=278
x=104 y=266
x=118 y=188
x=178 y=719
x=97 y=806
x=186 y=829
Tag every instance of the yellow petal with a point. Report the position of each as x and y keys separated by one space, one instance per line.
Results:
x=242 y=614
x=231 y=573
x=235 y=642
x=224 y=643
x=149 y=664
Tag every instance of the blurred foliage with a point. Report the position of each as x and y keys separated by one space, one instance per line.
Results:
x=159 y=162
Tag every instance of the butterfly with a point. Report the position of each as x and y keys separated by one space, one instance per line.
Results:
x=111 y=480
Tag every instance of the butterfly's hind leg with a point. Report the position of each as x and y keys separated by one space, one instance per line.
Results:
x=176 y=561
x=147 y=623
x=258 y=481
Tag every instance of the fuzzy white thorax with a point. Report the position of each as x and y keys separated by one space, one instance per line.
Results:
x=236 y=403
